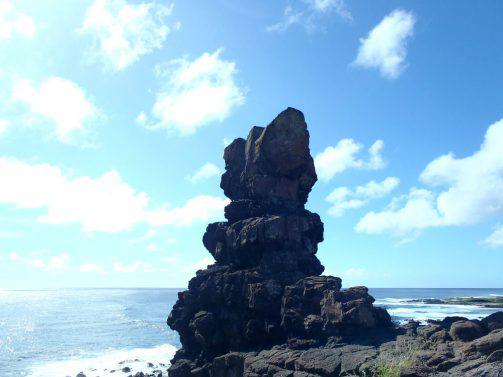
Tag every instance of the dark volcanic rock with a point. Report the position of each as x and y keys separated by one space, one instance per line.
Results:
x=465 y=330
x=265 y=287
x=264 y=310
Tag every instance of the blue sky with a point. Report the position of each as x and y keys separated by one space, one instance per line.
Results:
x=114 y=115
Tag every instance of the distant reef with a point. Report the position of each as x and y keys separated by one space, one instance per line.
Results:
x=485 y=302
x=264 y=309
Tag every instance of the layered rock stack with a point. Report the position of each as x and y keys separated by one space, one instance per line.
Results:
x=265 y=288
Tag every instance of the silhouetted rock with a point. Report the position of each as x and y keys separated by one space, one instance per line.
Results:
x=264 y=310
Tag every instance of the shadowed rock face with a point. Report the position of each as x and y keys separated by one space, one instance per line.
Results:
x=265 y=288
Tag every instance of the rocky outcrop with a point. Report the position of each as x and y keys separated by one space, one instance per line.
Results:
x=264 y=309
x=265 y=288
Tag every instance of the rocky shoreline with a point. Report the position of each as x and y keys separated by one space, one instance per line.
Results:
x=264 y=309
x=454 y=346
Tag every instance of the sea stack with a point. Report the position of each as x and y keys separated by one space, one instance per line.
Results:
x=266 y=288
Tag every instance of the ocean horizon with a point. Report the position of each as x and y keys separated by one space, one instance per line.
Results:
x=61 y=332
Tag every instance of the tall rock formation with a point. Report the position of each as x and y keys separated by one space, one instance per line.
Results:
x=265 y=288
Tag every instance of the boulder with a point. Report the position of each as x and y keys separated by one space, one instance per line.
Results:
x=493 y=321
x=465 y=331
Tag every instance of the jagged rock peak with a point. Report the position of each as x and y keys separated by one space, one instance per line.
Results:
x=273 y=166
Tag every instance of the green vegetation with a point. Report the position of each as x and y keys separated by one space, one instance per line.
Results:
x=387 y=370
x=404 y=356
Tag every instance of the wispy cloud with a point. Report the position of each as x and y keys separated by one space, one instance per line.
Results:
x=201 y=264
x=385 y=47
x=195 y=93
x=345 y=155
x=122 y=32
x=308 y=13
x=207 y=171
x=130 y=268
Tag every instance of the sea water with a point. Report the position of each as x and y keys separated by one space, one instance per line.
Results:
x=55 y=333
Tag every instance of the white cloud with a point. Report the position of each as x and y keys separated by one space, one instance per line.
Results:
x=495 y=239
x=196 y=93
x=344 y=156
x=308 y=14
x=201 y=264
x=13 y=22
x=405 y=217
x=52 y=263
x=92 y=268
x=201 y=208
x=472 y=188
x=474 y=184
x=106 y=203
x=373 y=189
x=385 y=47
x=226 y=141
x=290 y=17
x=123 y=32
x=122 y=268
x=343 y=198
x=60 y=101
x=207 y=171
x=133 y=267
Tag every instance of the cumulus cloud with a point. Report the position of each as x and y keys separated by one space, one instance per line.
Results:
x=198 y=209
x=308 y=14
x=342 y=198
x=13 y=22
x=470 y=192
x=196 y=93
x=346 y=155
x=207 y=171
x=385 y=47
x=122 y=32
x=405 y=217
x=93 y=268
x=105 y=203
x=495 y=239
x=61 y=102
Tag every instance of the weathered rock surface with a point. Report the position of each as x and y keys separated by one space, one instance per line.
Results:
x=264 y=310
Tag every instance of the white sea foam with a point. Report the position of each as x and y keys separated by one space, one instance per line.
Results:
x=403 y=310
x=137 y=360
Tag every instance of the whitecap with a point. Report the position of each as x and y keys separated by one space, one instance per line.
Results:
x=137 y=360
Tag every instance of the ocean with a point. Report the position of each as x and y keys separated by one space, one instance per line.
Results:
x=53 y=333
